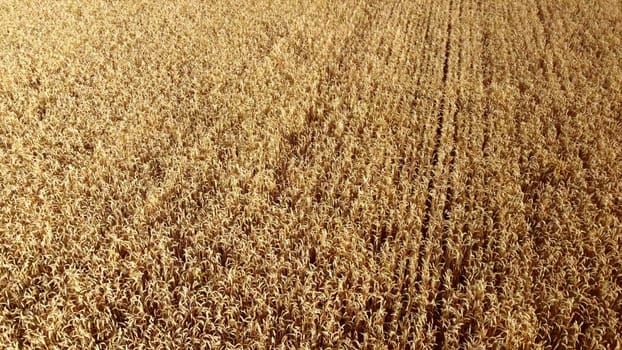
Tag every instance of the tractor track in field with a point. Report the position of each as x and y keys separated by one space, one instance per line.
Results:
x=440 y=120
x=410 y=276
x=440 y=297
x=487 y=64
x=443 y=121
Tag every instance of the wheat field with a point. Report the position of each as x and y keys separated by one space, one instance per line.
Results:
x=281 y=174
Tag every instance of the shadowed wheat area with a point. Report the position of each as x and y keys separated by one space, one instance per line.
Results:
x=399 y=174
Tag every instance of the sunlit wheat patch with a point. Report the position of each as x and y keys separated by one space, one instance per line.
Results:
x=288 y=174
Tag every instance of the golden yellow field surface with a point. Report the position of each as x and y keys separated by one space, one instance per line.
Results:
x=397 y=174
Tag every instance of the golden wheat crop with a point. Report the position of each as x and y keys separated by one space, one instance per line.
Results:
x=399 y=174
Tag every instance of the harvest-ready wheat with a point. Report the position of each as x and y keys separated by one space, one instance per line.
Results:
x=272 y=174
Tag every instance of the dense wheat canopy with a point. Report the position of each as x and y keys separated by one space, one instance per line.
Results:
x=358 y=174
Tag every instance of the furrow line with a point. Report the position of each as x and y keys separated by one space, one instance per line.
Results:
x=435 y=316
x=421 y=66
x=426 y=37
x=439 y=300
x=450 y=194
x=437 y=140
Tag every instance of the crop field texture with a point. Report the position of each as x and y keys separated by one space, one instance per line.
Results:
x=397 y=174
